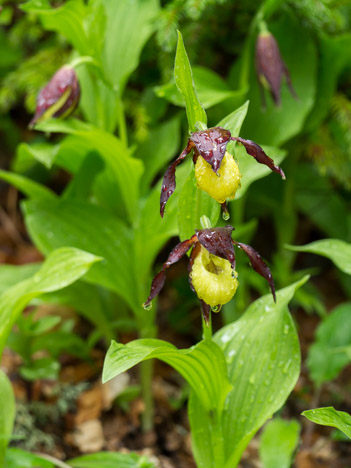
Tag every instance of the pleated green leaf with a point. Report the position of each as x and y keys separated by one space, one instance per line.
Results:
x=185 y=83
x=126 y=170
x=7 y=413
x=263 y=357
x=66 y=20
x=87 y=227
x=263 y=360
x=328 y=354
x=111 y=460
x=338 y=251
x=251 y=170
x=16 y=458
x=283 y=434
x=234 y=121
x=329 y=416
x=202 y=366
x=61 y=268
x=28 y=187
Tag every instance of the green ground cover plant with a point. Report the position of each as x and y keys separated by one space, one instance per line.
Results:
x=114 y=117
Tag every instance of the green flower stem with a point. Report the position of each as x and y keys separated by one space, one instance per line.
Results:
x=147 y=329
x=207 y=328
x=146 y=372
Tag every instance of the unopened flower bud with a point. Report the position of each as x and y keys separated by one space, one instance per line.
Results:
x=223 y=186
x=59 y=97
x=270 y=67
x=212 y=278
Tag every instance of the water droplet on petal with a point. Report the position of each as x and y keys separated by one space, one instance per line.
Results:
x=225 y=215
x=147 y=306
x=216 y=308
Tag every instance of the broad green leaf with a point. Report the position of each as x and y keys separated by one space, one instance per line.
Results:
x=16 y=458
x=29 y=187
x=185 y=83
x=251 y=170
x=45 y=153
x=329 y=416
x=88 y=300
x=317 y=198
x=85 y=298
x=99 y=103
x=326 y=357
x=234 y=121
x=129 y=25
x=336 y=50
x=152 y=232
x=160 y=146
x=202 y=366
x=278 y=443
x=88 y=227
x=263 y=359
x=61 y=268
x=210 y=87
x=194 y=203
x=274 y=126
x=7 y=413
x=126 y=170
x=336 y=250
x=111 y=460
x=66 y=20
x=13 y=274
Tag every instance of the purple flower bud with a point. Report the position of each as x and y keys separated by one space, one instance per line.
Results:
x=59 y=97
x=271 y=68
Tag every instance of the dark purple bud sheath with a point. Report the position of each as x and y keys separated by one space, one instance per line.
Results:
x=59 y=97
x=254 y=150
x=258 y=265
x=270 y=67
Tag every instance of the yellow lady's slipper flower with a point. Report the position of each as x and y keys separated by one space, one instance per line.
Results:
x=210 y=154
x=222 y=187
x=212 y=268
x=213 y=278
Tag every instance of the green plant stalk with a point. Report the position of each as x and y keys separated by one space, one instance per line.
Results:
x=147 y=329
x=216 y=426
x=146 y=372
x=207 y=328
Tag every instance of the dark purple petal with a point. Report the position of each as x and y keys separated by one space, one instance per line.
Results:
x=63 y=84
x=205 y=310
x=218 y=241
x=175 y=255
x=258 y=265
x=253 y=149
x=169 y=181
x=211 y=145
